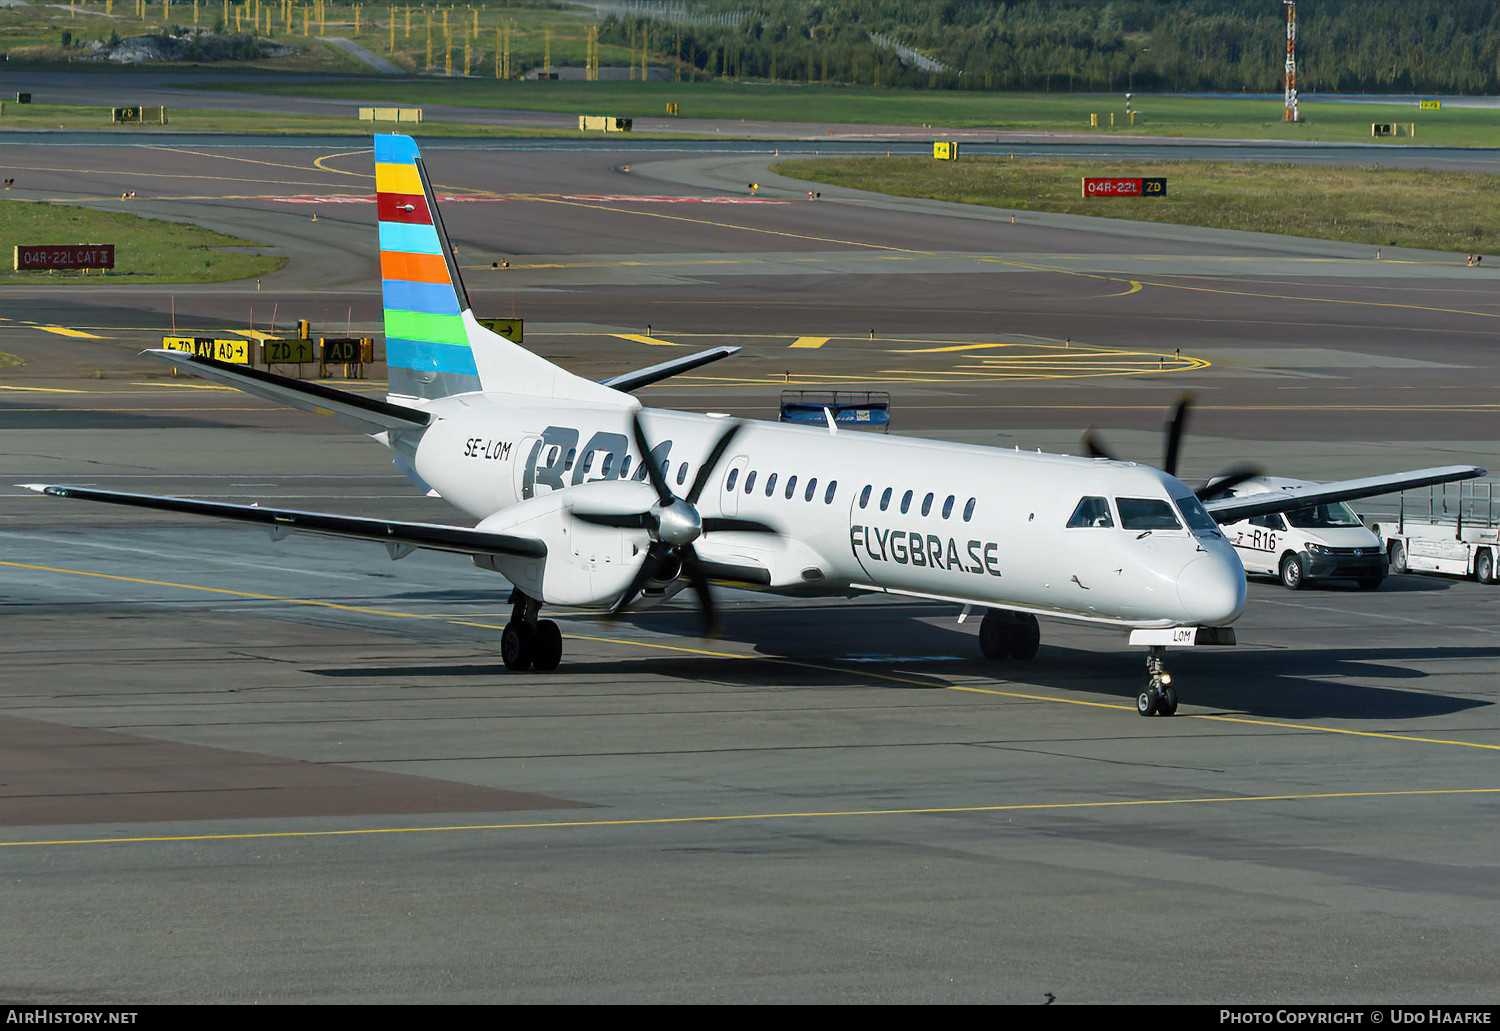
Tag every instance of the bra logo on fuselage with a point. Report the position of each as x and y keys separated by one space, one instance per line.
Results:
x=556 y=456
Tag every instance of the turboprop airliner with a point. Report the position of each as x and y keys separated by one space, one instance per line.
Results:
x=583 y=499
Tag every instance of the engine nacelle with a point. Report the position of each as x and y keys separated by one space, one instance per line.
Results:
x=586 y=566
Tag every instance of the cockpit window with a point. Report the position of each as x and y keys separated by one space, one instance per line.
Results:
x=1322 y=517
x=1091 y=512
x=1146 y=514
x=1195 y=515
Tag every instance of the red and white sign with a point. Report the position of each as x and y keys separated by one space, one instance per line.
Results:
x=82 y=255
x=1110 y=186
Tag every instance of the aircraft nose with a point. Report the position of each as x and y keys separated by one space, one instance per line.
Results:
x=1212 y=589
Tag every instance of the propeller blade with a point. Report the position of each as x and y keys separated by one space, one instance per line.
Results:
x=1175 y=428
x=1228 y=480
x=621 y=520
x=653 y=471
x=1093 y=446
x=727 y=523
x=655 y=556
x=711 y=462
x=694 y=570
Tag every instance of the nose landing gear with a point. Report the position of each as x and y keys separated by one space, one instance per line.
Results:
x=1159 y=698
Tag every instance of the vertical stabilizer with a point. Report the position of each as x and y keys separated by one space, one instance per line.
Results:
x=426 y=345
x=434 y=347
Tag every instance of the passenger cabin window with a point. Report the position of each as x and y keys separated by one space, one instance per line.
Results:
x=833 y=485
x=770 y=485
x=1091 y=512
x=1146 y=514
x=791 y=486
x=864 y=495
x=927 y=505
x=750 y=481
x=906 y=503
x=948 y=506
x=812 y=488
x=885 y=499
x=734 y=475
x=969 y=509
x=682 y=474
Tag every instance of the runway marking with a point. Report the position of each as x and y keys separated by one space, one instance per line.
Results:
x=318 y=163
x=66 y=332
x=219 y=590
x=667 y=821
x=1031 y=267
x=819 y=667
x=641 y=338
x=1060 y=362
x=142 y=174
x=224 y=157
x=725 y=225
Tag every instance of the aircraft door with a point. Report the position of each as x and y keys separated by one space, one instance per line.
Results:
x=860 y=530
x=528 y=453
x=732 y=484
x=545 y=460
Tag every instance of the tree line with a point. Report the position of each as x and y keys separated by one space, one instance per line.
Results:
x=1343 y=46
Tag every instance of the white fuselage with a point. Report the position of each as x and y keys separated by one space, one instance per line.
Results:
x=855 y=511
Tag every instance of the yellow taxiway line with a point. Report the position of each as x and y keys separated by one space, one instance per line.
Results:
x=819 y=667
x=824 y=814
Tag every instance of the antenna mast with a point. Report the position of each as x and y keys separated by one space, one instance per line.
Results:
x=1291 y=59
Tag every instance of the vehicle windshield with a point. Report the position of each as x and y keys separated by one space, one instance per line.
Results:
x=1195 y=515
x=1146 y=514
x=1319 y=517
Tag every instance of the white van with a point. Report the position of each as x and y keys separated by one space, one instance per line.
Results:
x=1320 y=542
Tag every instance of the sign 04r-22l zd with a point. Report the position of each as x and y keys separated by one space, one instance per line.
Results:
x=1111 y=186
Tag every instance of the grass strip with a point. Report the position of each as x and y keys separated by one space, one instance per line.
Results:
x=1442 y=211
x=147 y=250
x=1156 y=115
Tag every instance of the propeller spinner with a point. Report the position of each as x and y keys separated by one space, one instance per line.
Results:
x=673 y=524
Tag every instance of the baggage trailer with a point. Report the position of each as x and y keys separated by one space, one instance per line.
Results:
x=1452 y=528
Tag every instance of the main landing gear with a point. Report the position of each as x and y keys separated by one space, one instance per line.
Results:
x=1009 y=635
x=528 y=642
x=1159 y=698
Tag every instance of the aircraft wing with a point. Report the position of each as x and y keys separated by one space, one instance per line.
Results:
x=365 y=414
x=628 y=381
x=399 y=537
x=1232 y=509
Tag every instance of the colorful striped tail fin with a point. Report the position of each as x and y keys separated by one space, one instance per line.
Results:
x=426 y=346
x=434 y=346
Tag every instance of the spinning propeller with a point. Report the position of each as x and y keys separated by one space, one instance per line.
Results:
x=1174 y=429
x=673 y=524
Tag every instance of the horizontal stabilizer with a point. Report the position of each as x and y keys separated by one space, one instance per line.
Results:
x=1232 y=510
x=435 y=536
x=366 y=414
x=628 y=381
